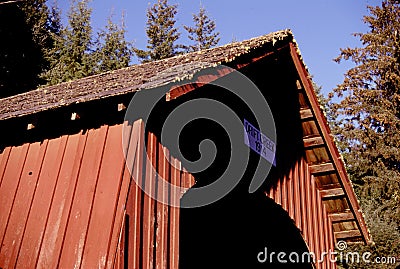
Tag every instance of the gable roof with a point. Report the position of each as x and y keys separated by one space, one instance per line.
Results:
x=345 y=212
x=130 y=79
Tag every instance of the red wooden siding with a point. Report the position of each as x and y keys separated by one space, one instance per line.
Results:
x=151 y=232
x=298 y=195
x=70 y=202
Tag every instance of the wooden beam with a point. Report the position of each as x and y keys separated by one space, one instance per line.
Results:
x=347 y=234
x=203 y=79
x=331 y=186
x=331 y=193
x=322 y=168
x=298 y=84
x=306 y=114
x=30 y=126
x=75 y=116
x=310 y=142
x=342 y=216
x=121 y=107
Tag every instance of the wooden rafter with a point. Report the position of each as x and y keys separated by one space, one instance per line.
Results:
x=332 y=193
x=306 y=114
x=322 y=168
x=341 y=216
x=310 y=142
x=347 y=234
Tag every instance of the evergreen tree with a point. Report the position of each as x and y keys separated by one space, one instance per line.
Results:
x=26 y=38
x=368 y=122
x=203 y=33
x=113 y=51
x=71 y=55
x=161 y=32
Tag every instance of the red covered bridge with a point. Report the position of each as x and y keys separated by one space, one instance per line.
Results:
x=70 y=198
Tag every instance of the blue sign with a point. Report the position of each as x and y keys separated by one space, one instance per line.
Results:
x=259 y=142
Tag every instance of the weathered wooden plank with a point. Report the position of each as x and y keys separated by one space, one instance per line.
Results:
x=310 y=142
x=41 y=204
x=284 y=194
x=78 y=220
x=8 y=188
x=322 y=263
x=290 y=193
x=149 y=205
x=332 y=193
x=308 y=208
x=322 y=168
x=316 y=219
x=22 y=204
x=347 y=234
x=137 y=202
x=61 y=204
x=278 y=192
x=105 y=201
x=3 y=162
x=303 y=205
x=306 y=114
x=162 y=209
x=326 y=236
x=178 y=91
x=116 y=247
x=128 y=200
x=297 y=194
x=342 y=216
x=174 y=215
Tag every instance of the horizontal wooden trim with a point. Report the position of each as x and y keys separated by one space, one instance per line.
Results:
x=331 y=186
x=306 y=114
x=331 y=193
x=322 y=168
x=347 y=234
x=313 y=141
x=342 y=216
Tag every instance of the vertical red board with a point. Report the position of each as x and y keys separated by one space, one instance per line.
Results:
x=133 y=135
x=316 y=219
x=8 y=188
x=22 y=204
x=321 y=228
x=41 y=203
x=135 y=201
x=3 y=162
x=105 y=201
x=148 y=204
x=75 y=235
x=308 y=207
x=284 y=194
x=291 y=201
x=62 y=200
x=331 y=241
x=162 y=209
x=326 y=236
x=272 y=192
x=174 y=215
x=297 y=196
x=278 y=192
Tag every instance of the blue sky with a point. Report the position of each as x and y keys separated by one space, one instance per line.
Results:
x=321 y=27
